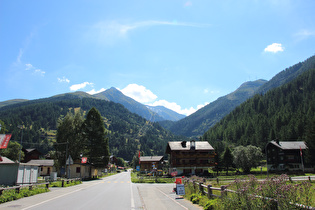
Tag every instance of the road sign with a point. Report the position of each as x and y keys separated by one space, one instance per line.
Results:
x=174 y=173
x=180 y=189
x=84 y=160
x=138 y=168
x=69 y=160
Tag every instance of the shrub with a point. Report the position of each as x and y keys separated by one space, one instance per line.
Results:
x=269 y=194
x=210 y=204
x=194 y=198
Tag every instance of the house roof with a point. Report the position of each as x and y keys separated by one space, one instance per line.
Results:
x=47 y=162
x=180 y=145
x=6 y=160
x=290 y=145
x=150 y=158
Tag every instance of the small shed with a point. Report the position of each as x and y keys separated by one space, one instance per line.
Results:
x=46 y=166
x=12 y=173
x=82 y=170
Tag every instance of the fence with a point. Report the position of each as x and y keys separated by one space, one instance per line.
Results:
x=69 y=181
x=30 y=186
x=208 y=190
x=18 y=188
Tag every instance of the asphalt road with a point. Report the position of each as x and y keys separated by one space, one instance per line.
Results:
x=114 y=192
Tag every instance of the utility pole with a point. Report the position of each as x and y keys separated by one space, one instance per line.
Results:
x=21 y=127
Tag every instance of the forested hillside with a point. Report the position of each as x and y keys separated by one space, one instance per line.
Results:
x=199 y=122
x=128 y=132
x=283 y=113
x=287 y=75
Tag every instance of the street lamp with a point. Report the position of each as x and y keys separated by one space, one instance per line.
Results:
x=21 y=127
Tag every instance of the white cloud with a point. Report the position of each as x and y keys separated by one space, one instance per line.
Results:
x=63 y=79
x=188 y=4
x=145 y=96
x=107 y=32
x=35 y=71
x=92 y=92
x=274 y=48
x=18 y=59
x=39 y=72
x=79 y=86
x=202 y=105
x=28 y=66
x=304 y=34
x=139 y=93
x=175 y=107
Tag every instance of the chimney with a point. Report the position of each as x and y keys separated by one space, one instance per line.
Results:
x=192 y=145
x=183 y=143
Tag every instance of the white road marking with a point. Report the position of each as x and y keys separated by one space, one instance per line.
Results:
x=172 y=199
x=51 y=199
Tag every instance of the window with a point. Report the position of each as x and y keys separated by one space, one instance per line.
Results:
x=78 y=170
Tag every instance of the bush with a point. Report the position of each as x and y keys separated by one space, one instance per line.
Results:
x=210 y=204
x=194 y=198
x=252 y=194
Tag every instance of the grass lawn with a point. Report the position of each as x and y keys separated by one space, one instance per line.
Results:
x=150 y=179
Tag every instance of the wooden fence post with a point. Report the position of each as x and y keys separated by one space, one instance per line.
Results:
x=47 y=185
x=17 y=190
x=201 y=188
x=1 y=190
x=309 y=178
x=194 y=185
x=30 y=187
x=223 y=192
x=62 y=183
x=209 y=191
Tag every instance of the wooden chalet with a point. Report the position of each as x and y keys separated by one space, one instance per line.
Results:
x=190 y=157
x=285 y=155
x=31 y=154
x=151 y=163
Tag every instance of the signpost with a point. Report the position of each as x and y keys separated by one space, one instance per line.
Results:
x=180 y=189
x=69 y=162
x=84 y=160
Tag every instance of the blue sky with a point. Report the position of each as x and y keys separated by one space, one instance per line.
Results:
x=181 y=54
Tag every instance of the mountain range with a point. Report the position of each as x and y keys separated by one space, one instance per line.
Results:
x=199 y=122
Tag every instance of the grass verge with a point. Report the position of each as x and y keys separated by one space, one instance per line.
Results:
x=10 y=195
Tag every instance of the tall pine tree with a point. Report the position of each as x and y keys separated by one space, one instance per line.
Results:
x=95 y=136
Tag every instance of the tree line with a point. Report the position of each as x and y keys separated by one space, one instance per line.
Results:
x=127 y=132
x=286 y=113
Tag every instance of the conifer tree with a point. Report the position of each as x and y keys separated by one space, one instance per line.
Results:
x=95 y=136
x=227 y=159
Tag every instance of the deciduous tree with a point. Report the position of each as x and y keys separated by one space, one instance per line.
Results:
x=247 y=157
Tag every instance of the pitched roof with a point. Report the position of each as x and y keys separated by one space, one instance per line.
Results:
x=6 y=160
x=288 y=145
x=150 y=158
x=47 y=162
x=180 y=145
